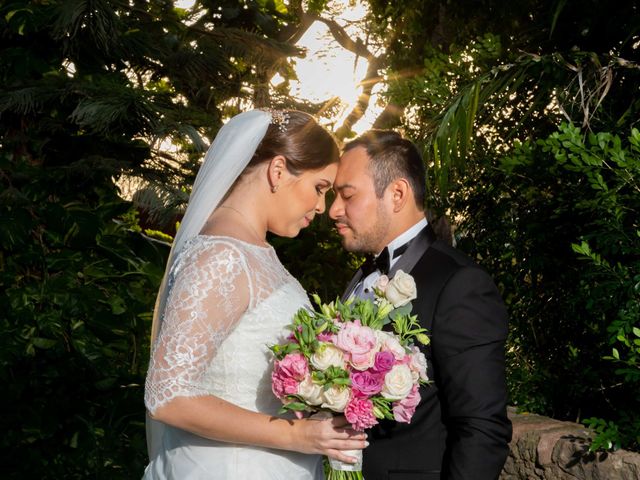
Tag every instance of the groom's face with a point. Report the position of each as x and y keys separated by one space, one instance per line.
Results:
x=362 y=219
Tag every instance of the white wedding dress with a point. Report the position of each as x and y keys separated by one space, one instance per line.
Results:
x=228 y=300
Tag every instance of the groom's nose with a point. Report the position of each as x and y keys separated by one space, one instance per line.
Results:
x=337 y=208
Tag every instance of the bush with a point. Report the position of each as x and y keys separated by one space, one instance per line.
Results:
x=76 y=289
x=557 y=224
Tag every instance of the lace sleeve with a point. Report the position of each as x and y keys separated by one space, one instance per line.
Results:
x=209 y=292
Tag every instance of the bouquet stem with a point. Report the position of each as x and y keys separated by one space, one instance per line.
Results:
x=337 y=470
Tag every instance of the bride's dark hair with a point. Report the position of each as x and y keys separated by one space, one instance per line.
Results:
x=297 y=136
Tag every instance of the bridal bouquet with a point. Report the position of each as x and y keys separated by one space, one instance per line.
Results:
x=339 y=359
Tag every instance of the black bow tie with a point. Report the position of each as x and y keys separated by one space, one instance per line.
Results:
x=382 y=262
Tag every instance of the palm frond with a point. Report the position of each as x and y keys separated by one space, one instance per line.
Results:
x=527 y=87
x=112 y=110
x=94 y=19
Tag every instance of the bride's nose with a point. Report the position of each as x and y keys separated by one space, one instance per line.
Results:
x=321 y=206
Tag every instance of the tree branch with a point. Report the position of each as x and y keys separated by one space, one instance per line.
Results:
x=370 y=79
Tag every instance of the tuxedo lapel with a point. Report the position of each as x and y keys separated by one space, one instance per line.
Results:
x=416 y=249
x=352 y=285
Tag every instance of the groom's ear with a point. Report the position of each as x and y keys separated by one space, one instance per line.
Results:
x=400 y=192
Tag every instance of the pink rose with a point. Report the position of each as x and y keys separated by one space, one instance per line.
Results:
x=359 y=412
x=418 y=364
x=367 y=383
x=358 y=343
x=404 y=409
x=384 y=361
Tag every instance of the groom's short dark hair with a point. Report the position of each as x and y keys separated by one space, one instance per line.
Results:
x=393 y=157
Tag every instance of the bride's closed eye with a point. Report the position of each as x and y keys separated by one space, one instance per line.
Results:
x=321 y=188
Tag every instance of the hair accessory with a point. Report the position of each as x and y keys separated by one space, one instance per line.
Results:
x=279 y=118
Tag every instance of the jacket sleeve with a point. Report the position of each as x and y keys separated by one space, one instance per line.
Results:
x=468 y=335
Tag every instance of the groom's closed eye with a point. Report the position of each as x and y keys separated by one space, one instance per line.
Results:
x=345 y=191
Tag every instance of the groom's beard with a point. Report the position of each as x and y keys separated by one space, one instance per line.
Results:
x=369 y=237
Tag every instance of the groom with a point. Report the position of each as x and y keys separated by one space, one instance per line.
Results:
x=460 y=430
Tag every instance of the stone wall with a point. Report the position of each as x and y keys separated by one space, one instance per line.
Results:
x=547 y=449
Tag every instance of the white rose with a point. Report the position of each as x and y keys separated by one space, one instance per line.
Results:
x=388 y=341
x=326 y=356
x=397 y=382
x=401 y=289
x=310 y=391
x=419 y=364
x=336 y=398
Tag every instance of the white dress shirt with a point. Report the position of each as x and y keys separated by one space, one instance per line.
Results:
x=364 y=288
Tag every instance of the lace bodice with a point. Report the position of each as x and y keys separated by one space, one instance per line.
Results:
x=227 y=301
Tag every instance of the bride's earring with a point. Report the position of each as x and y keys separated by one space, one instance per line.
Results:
x=276 y=168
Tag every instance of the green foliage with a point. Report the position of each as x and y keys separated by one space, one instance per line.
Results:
x=557 y=225
x=75 y=290
x=607 y=434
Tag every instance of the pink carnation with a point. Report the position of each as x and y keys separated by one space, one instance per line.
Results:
x=325 y=337
x=288 y=373
x=384 y=361
x=404 y=409
x=293 y=365
x=282 y=386
x=359 y=412
x=367 y=383
x=358 y=343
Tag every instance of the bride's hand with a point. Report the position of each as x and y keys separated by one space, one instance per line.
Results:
x=328 y=436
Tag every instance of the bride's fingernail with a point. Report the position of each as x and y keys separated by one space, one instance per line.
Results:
x=366 y=444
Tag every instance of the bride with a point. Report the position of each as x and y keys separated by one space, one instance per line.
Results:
x=225 y=297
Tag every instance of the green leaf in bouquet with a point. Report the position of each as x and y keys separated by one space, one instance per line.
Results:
x=384 y=309
x=297 y=406
x=381 y=316
x=382 y=408
x=364 y=311
x=320 y=325
x=334 y=376
x=308 y=334
x=408 y=329
x=282 y=350
x=344 y=309
x=341 y=381
x=328 y=310
x=316 y=299
x=405 y=310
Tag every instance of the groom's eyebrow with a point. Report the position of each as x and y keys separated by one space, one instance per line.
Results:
x=344 y=186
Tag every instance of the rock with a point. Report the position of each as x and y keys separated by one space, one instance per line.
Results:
x=547 y=449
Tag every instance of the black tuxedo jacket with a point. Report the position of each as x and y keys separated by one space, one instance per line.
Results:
x=460 y=430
